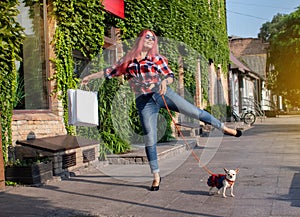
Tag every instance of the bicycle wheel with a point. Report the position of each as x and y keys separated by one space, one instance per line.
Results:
x=249 y=118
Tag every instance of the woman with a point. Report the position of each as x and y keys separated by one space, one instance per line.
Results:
x=149 y=75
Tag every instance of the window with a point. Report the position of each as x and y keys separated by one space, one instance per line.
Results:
x=83 y=66
x=32 y=90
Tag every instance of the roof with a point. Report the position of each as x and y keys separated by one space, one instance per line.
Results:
x=238 y=64
x=257 y=63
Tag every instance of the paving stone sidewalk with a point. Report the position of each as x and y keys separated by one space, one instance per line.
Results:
x=268 y=183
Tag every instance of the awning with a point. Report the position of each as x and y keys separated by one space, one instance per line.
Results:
x=116 y=7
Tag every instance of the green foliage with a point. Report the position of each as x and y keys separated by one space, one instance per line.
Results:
x=196 y=24
x=220 y=111
x=79 y=27
x=11 y=38
x=9 y=183
x=292 y=97
x=20 y=93
x=114 y=143
x=196 y=27
x=285 y=57
x=27 y=162
x=114 y=101
x=269 y=29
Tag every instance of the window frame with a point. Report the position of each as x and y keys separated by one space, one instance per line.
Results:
x=47 y=67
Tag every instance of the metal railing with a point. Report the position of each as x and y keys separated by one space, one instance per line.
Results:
x=255 y=106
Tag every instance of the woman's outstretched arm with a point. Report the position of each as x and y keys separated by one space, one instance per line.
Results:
x=96 y=75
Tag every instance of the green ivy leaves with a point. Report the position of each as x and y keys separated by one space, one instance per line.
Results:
x=199 y=25
x=81 y=25
x=11 y=38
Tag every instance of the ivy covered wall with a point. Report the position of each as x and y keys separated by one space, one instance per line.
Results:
x=80 y=27
x=199 y=24
x=11 y=39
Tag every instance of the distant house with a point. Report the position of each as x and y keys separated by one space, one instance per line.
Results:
x=244 y=86
x=252 y=54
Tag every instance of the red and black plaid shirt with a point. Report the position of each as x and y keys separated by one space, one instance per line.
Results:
x=141 y=74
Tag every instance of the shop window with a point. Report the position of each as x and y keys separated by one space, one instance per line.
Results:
x=81 y=64
x=32 y=90
x=84 y=66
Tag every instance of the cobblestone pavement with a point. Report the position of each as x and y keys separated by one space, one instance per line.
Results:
x=268 y=184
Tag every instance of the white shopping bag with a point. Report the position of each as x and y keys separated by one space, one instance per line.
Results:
x=82 y=108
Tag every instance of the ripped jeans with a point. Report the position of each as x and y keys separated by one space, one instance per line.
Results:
x=148 y=106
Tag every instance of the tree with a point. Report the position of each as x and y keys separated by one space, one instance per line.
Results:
x=268 y=29
x=283 y=34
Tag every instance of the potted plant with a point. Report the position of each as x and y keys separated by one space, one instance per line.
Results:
x=29 y=171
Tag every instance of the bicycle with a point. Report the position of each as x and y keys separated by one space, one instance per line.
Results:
x=247 y=116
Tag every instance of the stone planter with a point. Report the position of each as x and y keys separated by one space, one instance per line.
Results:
x=33 y=174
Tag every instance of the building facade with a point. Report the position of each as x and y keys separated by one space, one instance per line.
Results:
x=38 y=110
x=248 y=74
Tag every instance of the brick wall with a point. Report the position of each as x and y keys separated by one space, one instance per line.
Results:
x=42 y=125
x=247 y=46
x=252 y=52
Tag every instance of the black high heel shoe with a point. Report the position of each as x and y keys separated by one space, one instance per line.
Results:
x=155 y=185
x=238 y=133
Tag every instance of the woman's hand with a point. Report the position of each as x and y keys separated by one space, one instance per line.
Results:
x=164 y=85
x=87 y=78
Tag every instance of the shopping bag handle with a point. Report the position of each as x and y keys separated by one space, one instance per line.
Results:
x=86 y=87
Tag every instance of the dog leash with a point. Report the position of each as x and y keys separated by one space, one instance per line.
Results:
x=184 y=140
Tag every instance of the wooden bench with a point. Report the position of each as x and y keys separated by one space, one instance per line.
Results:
x=67 y=152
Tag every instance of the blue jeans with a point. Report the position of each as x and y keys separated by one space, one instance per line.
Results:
x=148 y=107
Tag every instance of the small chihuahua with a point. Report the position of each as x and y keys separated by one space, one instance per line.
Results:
x=222 y=181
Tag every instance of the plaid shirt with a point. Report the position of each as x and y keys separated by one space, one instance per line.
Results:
x=141 y=74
